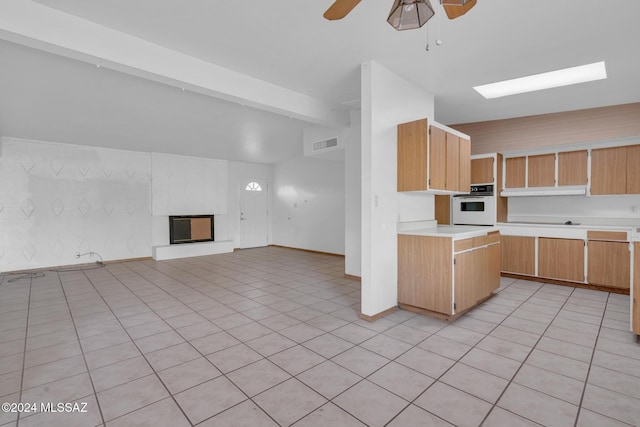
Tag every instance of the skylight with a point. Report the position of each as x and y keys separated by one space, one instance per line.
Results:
x=565 y=77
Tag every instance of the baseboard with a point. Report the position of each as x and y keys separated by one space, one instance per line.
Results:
x=567 y=283
x=352 y=277
x=308 y=250
x=377 y=316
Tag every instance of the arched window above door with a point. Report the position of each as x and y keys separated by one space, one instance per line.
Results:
x=253 y=186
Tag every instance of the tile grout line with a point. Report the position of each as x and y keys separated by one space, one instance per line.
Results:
x=24 y=354
x=141 y=353
x=75 y=329
x=526 y=358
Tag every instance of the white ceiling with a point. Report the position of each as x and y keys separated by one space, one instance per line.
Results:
x=288 y=43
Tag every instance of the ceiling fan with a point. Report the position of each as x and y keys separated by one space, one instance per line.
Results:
x=405 y=14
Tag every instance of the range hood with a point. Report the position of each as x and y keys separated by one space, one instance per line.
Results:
x=565 y=190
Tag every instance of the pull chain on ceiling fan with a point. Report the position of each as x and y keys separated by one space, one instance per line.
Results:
x=405 y=14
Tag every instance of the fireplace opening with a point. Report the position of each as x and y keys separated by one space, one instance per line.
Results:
x=190 y=229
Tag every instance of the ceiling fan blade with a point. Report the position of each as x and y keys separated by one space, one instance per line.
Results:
x=340 y=9
x=456 y=10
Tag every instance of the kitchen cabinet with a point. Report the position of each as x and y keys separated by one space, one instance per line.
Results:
x=482 y=171
x=515 y=172
x=633 y=169
x=431 y=158
x=445 y=275
x=561 y=259
x=572 y=167
x=424 y=272
x=519 y=255
x=635 y=294
x=609 y=171
x=615 y=170
x=609 y=259
x=541 y=170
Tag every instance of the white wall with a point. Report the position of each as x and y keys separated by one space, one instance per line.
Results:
x=309 y=205
x=58 y=199
x=387 y=100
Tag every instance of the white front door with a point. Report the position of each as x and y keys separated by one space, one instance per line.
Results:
x=253 y=213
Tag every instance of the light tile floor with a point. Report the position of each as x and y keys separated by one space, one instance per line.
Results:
x=271 y=336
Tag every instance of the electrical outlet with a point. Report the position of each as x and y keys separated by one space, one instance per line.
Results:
x=634 y=209
x=77 y=254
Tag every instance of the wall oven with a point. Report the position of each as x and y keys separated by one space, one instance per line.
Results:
x=476 y=208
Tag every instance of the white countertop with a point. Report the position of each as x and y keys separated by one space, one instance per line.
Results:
x=554 y=230
x=454 y=231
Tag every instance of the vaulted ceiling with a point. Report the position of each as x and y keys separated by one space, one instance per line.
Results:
x=51 y=91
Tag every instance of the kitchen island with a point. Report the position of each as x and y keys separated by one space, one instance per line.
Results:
x=446 y=270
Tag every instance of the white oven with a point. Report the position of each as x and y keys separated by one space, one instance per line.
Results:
x=475 y=208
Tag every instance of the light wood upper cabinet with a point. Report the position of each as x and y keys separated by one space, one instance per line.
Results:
x=482 y=170
x=515 y=173
x=542 y=170
x=437 y=158
x=464 y=165
x=430 y=158
x=561 y=259
x=633 y=169
x=609 y=171
x=452 y=180
x=412 y=156
x=572 y=167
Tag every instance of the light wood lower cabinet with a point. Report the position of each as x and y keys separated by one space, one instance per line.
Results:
x=519 y=255
x=447 y=276
x=609 y=264
x=635 y=314
x=561 y=259
x=424 y=272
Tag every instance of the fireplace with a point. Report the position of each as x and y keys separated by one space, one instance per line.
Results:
x=190 y=229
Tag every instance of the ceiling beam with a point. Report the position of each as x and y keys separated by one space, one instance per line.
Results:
x=38 y=26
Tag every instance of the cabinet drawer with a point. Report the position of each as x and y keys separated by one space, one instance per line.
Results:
x=616 y=236
x=463 y=245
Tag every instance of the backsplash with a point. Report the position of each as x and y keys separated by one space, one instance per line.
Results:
x=605 y=210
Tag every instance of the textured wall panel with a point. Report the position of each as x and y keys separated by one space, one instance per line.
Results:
x=188 y=185
x=57 y=199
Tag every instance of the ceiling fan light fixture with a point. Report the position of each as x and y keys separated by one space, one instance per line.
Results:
x=410 y=14
x=454 y=2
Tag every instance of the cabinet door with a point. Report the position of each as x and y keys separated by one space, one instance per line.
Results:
x=482 y=171
x=515 y=172
x=561 y=259
x=468 y=272
x=542 y=170
x=424 y=272
x=492 y=272
x=609 y=171
x=452 y=182
x=412 y=156
x=518 y=255
x=609 y=264
x=437 y=158
x=635 y=315
x=464 y=166
x=633 y=169
x=572 y=168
